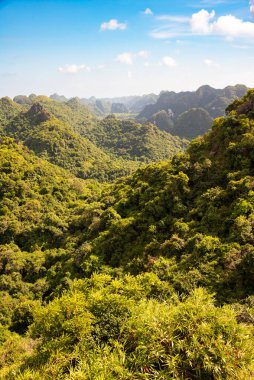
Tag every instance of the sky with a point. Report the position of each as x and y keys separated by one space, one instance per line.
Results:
x=108 y=48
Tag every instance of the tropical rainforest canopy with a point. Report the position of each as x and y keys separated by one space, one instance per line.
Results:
x=150 y=276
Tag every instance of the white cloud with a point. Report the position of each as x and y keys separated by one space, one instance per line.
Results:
x=161 y=34
x=73 y=68
x=252 y=7
x=200 y=22
x=148 y=11
x=113 y=24
x=126 y=58
x=211 y=63
x=233 y=27
x=143 y=54
x=169 y=61
x=228 y=26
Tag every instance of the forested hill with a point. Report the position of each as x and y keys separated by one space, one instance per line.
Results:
x=132 y=141
x=8 y=110
x=150 y=277
x=68 y=135
x=58 y=143
x=194 y=211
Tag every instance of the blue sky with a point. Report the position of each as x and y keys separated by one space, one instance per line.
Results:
x=124 y=47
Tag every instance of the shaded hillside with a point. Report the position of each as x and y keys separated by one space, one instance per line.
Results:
x=191 y=123
x=207 y=98
x=118 y=108
x=163 y=121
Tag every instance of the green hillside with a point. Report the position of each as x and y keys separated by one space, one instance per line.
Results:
x=72 y=112
x=194 y=211
x=132 y=141
x=57 y=142
x=37 y=198
x=8 y=110
x=150 y=277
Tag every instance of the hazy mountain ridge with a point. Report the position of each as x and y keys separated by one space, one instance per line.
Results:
x=214 y=101
x=131 y=104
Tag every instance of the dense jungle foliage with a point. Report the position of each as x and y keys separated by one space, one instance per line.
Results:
x=132 y=141
x=149 y=277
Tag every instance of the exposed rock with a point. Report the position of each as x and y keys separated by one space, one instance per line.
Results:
x=38 y=112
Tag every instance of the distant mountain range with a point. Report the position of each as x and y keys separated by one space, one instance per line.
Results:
x=189 y=114
x=125 y=104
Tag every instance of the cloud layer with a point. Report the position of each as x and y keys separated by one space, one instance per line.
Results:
x=205 y=23
x=160 y=34
x=128 y=58
x=73 y=68
x=210 y=63
x=169 y=61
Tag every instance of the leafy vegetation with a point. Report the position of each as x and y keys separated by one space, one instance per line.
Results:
x=132 y=141
x=150 y=277
x=56 y=142
x=70 y=112
x=8 y=110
